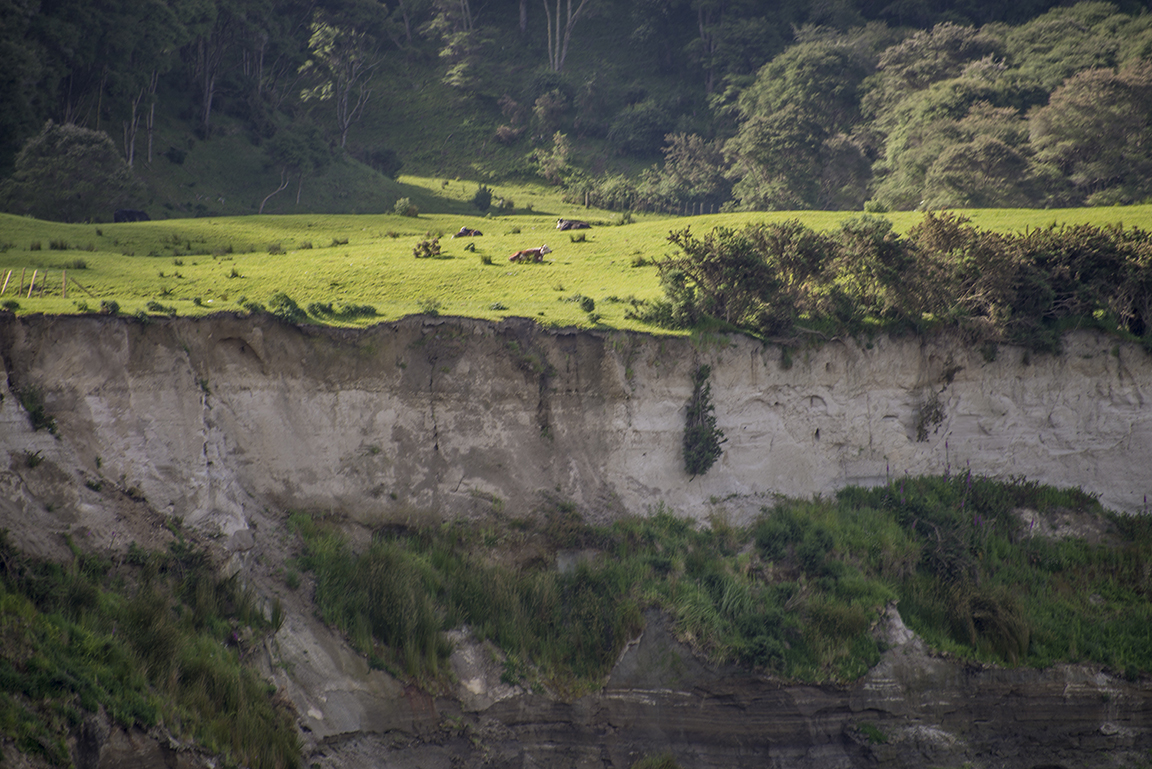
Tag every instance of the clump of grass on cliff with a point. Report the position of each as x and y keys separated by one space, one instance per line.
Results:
x=992 y=581
x=154 y=640
x=796 y=593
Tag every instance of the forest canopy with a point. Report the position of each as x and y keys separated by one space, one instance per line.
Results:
x=680 y=106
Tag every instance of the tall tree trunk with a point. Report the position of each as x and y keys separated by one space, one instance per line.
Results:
x=406 y=15
x=131 y=128
x=100 y=95
x=284 y=179
x=206 y=82
x=210 y=50
x=708 y=46
x=150 y=123
x=348 y=113
x=560 y=31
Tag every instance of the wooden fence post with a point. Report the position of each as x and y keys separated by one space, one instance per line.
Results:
x=86 y=291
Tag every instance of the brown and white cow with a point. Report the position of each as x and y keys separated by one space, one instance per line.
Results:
x=530 y=254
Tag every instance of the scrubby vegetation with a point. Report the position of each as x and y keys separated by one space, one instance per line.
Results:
x=1024 y=288
x=796 y=593
x=974 y=565
x=702 y=438
x=153 y=639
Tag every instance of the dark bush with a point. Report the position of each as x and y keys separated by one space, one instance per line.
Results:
x=1018 y=288
x=285 y=308
x=383 y=160
x=640 y=129
x=702 y=438
x=427 y=248
x=32 y=399
x=483 y=198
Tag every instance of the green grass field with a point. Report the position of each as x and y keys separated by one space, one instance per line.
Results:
x=199 y=266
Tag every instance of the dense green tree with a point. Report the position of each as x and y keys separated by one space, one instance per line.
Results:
x=693 y=173
x=924 y=58
x=735 y=37
x=1051 y=48
x=819 y=79
x=639 y=129
x=1096 y=131
x=845 y=174
x=776 y=161
x=21 y=68
x=928 y=122
x=70 y=174
x=801 y=101
x=982 y=173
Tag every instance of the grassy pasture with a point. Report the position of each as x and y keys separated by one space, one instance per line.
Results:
x=198 y=266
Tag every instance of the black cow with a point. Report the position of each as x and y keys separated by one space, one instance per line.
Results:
x=467 y=232
x=130 y=215
x=572 y=224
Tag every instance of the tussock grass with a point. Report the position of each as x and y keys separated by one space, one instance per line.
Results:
x=369 y=260
x=156 y=640
x=796 y=593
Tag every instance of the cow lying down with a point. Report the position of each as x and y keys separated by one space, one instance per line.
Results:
x=467 y=232
x=530 y=254
x=572 y=224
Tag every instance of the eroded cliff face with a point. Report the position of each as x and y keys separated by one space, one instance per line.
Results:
x=227 y=422
x=211 y=418
x=913 y=710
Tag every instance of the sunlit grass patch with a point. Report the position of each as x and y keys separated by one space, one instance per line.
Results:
x=199 y=266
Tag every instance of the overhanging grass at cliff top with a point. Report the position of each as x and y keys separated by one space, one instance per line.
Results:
x=197 y=266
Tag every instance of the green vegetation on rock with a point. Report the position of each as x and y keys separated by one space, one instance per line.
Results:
x=973 y=564
x=155 y=640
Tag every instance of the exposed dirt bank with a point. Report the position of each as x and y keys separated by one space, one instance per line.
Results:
x=227 y=422
x=208 y=419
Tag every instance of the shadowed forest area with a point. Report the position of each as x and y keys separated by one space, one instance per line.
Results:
x=229 y=106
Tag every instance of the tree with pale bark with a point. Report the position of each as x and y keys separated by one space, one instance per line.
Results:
x=342 y=58
x=561 y=21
